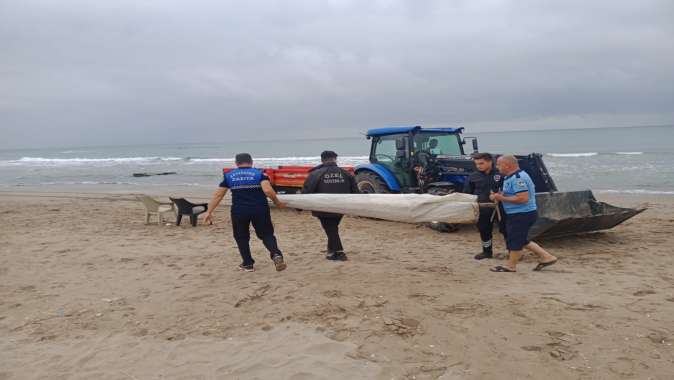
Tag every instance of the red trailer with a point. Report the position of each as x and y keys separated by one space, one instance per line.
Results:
x=289 y=178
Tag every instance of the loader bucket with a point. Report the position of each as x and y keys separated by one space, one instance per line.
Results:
x=574 y=212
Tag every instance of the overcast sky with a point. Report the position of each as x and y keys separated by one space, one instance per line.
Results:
x=160 y=71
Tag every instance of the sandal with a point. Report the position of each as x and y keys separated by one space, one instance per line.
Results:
x=543 y=265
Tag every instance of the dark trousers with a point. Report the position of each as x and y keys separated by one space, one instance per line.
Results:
x=331 y=227
x=485 y=224
x=264 y=229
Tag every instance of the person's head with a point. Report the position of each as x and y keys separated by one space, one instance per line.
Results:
x=483 y=162
x=433 y=143
x=507 y=165
x=328 y=156
x=243 y=160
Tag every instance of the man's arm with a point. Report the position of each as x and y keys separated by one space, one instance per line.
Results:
x=519 y=198
x=271 y=194
x=213 y=204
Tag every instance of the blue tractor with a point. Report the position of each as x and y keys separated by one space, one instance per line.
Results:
x=434 y=161
x=429 y=160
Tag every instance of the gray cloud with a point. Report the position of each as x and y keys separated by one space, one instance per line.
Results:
x=82 y=72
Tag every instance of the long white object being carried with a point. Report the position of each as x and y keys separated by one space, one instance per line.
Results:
x=455 y=208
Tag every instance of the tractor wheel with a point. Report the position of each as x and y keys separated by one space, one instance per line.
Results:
x=370 y=183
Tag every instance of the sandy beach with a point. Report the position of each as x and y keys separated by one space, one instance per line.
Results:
x=88 y=291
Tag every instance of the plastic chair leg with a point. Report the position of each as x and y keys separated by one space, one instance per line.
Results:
x=178 y=219
x=193 y=220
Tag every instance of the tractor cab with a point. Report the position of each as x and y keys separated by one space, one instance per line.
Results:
x=415 y=159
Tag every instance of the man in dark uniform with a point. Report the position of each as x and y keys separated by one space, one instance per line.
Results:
x=485 y=180
x=330 y=178
x=250 y=189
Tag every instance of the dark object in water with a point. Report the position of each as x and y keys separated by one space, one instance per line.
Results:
x=151 y=174
x=573 y=212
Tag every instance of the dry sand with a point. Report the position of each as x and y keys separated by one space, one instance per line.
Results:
x=87 y=291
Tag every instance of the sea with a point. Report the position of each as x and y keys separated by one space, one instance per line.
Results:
x=636 y=160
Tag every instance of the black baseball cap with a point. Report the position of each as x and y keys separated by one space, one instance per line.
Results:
x=327 y=154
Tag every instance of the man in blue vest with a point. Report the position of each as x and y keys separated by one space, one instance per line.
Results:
x=519 y=203
x=250 y=189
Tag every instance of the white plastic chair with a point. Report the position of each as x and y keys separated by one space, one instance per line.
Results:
x=153 y=206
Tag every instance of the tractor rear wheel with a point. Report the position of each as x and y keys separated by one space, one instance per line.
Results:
x=370 y=183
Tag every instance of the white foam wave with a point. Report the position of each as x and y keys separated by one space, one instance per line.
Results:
x=71 y=183
x=87 y=183
x=111 y=161
x=281 y=159
x=211 y=159
x=637 y=191
x=74 y=151
x=588 y=154
x=76 y=161
x=591 y=154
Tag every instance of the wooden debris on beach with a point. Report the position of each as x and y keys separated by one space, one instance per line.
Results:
x=151 y=174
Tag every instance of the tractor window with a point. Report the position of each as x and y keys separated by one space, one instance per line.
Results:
x=393 y=153
x=385 y=150
x=437 y=144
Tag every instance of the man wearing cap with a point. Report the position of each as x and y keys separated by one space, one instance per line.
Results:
x=330 y=178
x=250 y=189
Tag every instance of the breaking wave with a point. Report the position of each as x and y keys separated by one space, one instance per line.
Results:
x=56 y=161
x=69 y=183
x=589 y=154
x=281 y=160
x=43 y=161
x=637 y=191
x=592 y=154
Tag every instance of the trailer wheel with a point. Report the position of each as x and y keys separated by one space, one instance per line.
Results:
x=442 y=226
x=440 y=190
x=370 y=183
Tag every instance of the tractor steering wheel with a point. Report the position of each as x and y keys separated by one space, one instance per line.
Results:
x=425 y=158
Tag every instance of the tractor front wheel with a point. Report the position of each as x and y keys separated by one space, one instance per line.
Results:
x=370 y=183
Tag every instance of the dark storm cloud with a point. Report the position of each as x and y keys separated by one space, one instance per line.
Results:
x=82 y=72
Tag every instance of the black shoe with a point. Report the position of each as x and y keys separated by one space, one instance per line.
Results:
x=483 y=255
x=337 y=256
x=246 y=268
